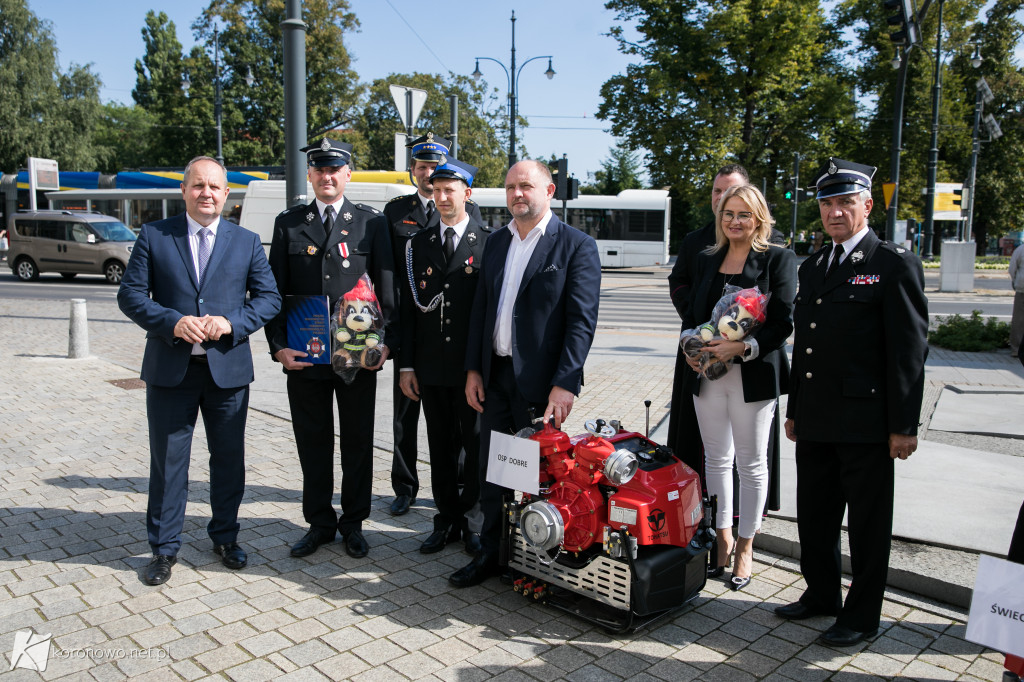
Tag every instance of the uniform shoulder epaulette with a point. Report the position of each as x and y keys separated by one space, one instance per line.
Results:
x=893 y=247
x=400 y=197
x=366 y=207
x=470 y=201
x=295 y=208
x=487 y=228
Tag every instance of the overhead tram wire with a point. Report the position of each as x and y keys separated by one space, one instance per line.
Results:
x=418 y=37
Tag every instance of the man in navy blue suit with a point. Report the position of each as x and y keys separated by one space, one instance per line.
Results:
x=186 y=285
x=533 y=321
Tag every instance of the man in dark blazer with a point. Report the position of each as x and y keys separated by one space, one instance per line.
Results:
x=533 y=321
x=186 y=285
x=407 y=215
x=857 y=380
x=324 y=248
x=436 y=304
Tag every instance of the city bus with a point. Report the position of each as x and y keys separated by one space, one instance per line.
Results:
x=631 y=228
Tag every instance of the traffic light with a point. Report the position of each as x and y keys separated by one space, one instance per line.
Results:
x=788 y=190
x=904 y=21
x=561 y=178
x=566 y=187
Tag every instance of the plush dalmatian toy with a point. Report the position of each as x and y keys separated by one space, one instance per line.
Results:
x=356 y=332
x=737 y=314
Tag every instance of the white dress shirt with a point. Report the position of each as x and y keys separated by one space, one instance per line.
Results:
x=519 y=252
x=193 y=245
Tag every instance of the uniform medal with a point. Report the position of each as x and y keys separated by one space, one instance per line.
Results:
x=343 y=250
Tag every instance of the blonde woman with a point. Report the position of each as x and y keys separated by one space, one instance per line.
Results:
x=735 y=412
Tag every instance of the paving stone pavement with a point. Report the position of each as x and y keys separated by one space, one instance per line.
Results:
x=74 y=465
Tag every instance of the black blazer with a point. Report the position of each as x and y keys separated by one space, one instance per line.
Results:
x=434 y=343
x=774 y=270
x=555 y=313
x=307 y=261
x=860 y=346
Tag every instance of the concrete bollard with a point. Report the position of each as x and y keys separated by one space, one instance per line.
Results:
x=78 y=331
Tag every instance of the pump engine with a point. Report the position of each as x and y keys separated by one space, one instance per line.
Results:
x=618 y=534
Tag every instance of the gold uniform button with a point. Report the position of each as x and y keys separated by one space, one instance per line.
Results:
x=447 y=338
x=814 y=325
x=447 y=321
x=327 y=276
x=809 y=375
x=446 y=285
x=818 y=301
x=809 y=351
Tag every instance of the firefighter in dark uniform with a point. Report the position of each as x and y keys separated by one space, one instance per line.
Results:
x=861 y=321
x=324 y=248
x=407 y=215
x=436 y=304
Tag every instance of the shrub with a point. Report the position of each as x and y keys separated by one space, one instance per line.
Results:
x=970 y=334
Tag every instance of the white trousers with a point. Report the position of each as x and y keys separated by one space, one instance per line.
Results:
x=732 y=428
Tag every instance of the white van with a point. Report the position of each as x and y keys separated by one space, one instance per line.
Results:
x=265 y=199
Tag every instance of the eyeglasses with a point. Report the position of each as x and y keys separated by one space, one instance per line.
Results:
x=741 y=217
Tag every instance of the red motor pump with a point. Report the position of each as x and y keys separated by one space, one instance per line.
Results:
x=612 y=501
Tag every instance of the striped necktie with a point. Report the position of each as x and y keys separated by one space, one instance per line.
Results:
x=204 y=252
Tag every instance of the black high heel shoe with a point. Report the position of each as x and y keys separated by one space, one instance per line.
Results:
x=719 y=571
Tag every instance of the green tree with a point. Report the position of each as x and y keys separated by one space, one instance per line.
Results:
x=620 y=170
x=876 y=79
x=1000 y=172
x=479 y=121
x=749 y=81
x=182 y=123
x=124 y=136
x=43 y=112
x=252 y=39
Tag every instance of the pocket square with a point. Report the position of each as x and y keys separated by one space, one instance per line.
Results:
x=551 y=268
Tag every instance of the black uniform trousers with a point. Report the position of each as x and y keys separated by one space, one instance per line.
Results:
x=856 y=478
x=506 y=410
x=404 y=479
x=452 y=425
x=311 y=397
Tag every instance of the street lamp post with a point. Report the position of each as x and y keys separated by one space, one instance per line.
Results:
x=513 y=87
x=984 y=96
x=186 y=83
x=900 y=61
x=933 y=152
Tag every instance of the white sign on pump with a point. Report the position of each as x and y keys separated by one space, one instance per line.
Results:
x=514 y=463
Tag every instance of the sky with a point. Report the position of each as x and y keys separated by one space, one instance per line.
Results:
x=402 y=36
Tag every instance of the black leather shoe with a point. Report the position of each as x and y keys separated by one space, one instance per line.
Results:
x=837 y=635
x=311 y=540
x=231 y=555
x=159 y=569
x=472 y=541
x=716 y=571
x=475 y=572
x=436 y=541
x=356 y=545
x=798 y=611
x=401 y=504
